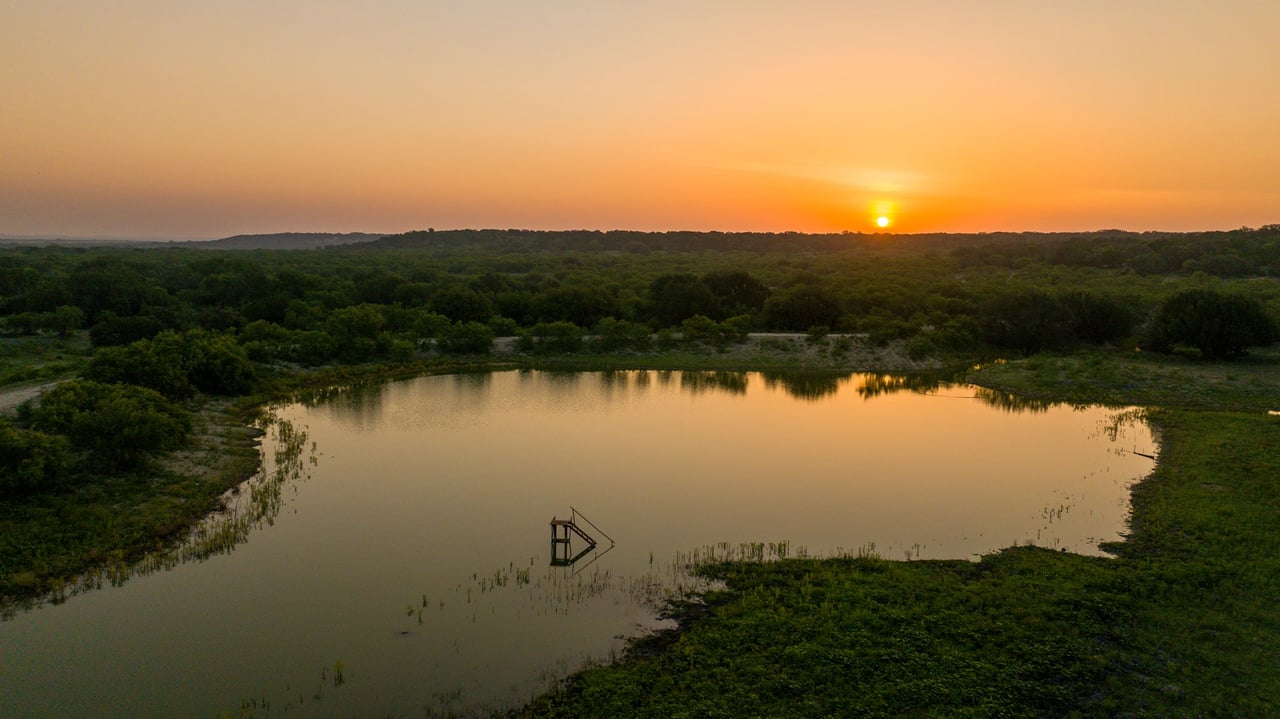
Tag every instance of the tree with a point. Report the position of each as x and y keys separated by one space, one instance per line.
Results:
x=462 y=305
x=111 y=330
x=802 y=307
x=736 y=292
x=1027 y=321
x=1097 y=318
x=356 y=331
x=1221 y=326
x=106 y=284
x=677 y=297
x=583 y=306
x=66 y=319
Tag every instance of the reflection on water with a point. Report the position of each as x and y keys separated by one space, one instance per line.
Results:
x=413 y=562
x=806 y=385
x=720 y=380
x=876 y=385
x=1011 y=403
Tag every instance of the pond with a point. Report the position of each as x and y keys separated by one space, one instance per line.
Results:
x=396 y=556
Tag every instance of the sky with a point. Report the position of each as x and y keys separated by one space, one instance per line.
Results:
x=164 y=119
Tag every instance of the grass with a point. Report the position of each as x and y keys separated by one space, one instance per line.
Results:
x=1251 y=383
x=1181 y=624
x=26 y=360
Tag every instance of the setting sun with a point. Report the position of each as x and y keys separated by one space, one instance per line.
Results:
x=882 y=221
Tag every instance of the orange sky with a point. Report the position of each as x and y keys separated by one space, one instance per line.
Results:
x=207 y=119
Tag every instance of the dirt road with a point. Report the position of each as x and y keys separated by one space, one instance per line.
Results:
x=11 y=397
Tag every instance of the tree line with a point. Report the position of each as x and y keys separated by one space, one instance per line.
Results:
x=315 y=307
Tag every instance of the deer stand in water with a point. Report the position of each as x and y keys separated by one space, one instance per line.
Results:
x=562 y=534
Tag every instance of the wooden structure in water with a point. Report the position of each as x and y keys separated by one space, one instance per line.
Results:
x=563 y=532
x=561 y=528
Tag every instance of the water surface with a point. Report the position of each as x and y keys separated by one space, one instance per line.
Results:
x=408 y=569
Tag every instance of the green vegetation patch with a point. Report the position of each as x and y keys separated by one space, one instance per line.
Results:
x=1250 y=383
x=113 y=518
x=41 y=358
x=1026 y=632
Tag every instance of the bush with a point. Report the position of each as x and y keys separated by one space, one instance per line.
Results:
x=140 y=364
x=882 y=330
x=176 y=365
x=613 y=334
x=503 y=326
x=556 y=337
x=118 y=423
x=30 y=461
x=467 y=338
x=311 y=347
x=217 y=364
x=736 y=328
x=698 y=328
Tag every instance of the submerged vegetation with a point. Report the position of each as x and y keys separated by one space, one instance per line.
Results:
x=163 y=354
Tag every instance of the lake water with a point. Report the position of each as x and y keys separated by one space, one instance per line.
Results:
x=396 y=558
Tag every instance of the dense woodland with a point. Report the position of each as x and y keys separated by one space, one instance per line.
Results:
x=167 y=323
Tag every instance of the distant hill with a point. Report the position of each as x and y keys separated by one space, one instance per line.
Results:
x=693 y=241
x=60 y=241
x=288 y=241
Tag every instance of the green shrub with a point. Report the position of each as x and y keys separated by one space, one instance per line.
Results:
x=614 y=334
x=556 y=337
x=30 y=461
x=467 y=338
x=698 y=328
x=176 y=365
x=118 y=423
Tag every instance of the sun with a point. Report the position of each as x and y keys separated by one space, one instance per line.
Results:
x=882 y=213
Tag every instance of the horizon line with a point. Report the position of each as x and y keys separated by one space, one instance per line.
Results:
x=171 y=239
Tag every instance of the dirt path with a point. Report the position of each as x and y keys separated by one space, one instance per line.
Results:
x=11 y=397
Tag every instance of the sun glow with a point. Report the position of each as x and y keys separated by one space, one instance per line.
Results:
x=883 y=213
